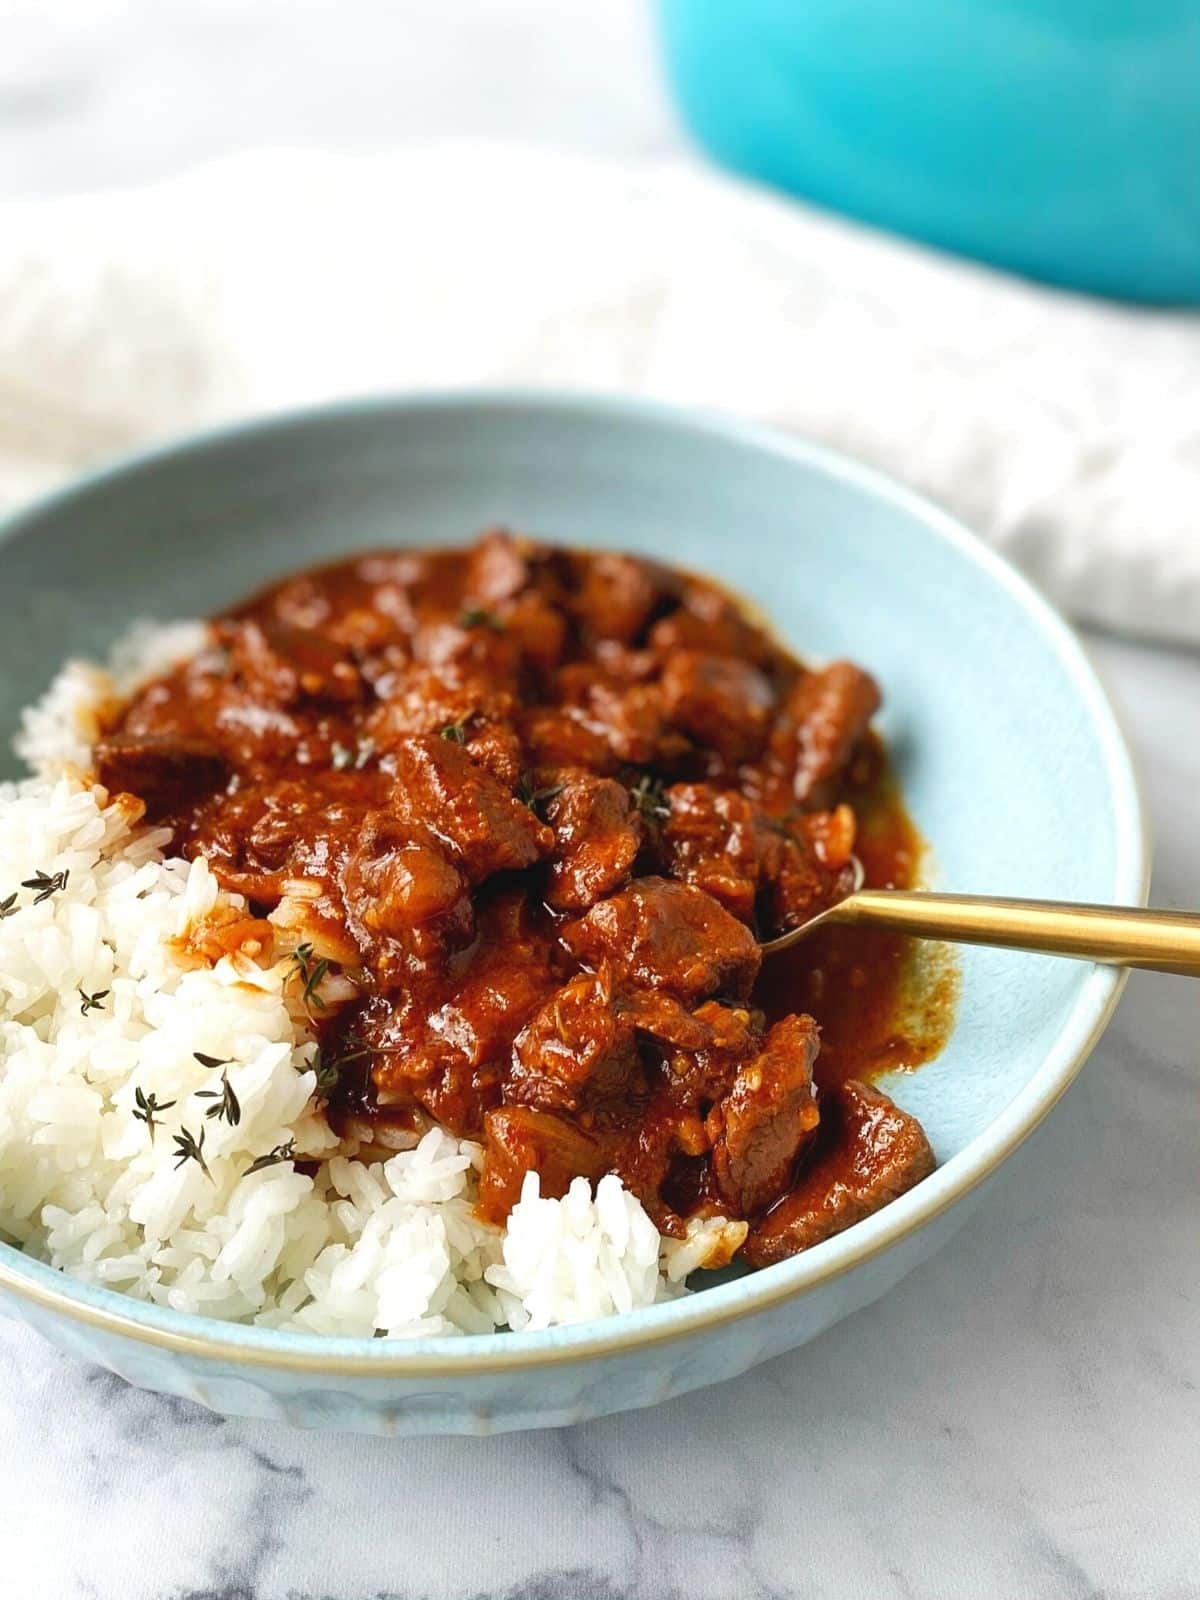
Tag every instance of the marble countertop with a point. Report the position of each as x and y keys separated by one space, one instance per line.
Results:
x=1020 y=1417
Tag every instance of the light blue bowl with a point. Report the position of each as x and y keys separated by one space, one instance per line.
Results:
x=1059 y=138
x=1008 y=752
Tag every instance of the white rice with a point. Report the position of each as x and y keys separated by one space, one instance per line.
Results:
x=392 y=1248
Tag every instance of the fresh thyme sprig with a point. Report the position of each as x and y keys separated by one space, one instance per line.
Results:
x=649 y=796
x=455 y=732
x=189 y=1148
x=46 y=884
x=281 y=1152
x=355 y=1048
x=227 y=1102
x=326 y=1069
x=311 y=973
x=92 y=1002
x=479 y=617
x=534 y=798
x=147 y=1108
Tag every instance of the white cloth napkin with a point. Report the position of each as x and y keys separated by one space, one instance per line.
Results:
x=1066 y=430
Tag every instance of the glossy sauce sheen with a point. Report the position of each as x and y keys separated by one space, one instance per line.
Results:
x=523 y=814
x=883 y=1005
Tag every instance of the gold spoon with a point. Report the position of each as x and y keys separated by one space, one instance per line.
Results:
x=1120 y=936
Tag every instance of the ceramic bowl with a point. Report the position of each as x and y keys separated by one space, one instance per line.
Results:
x=1010 y=758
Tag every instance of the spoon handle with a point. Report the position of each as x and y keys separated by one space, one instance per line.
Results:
x=1122 y=936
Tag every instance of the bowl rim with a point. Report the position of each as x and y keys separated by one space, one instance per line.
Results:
x=210 y=1340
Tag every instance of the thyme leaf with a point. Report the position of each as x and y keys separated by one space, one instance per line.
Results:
x=147 y=1107
x=534 y=798
x=478 y=617
x=8 y=908
x=311 y=973
x=312 y=982
x=227 y=1102
x=210 y=1061
x=455 y=732
x=92 y=1002
x=327 y=1070
x=281 y=1152
x=649 y=797
x=328 y=1066
x=45 y=884
x=189 y=1148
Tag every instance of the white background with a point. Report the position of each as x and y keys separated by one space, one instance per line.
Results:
x=1019 y=1419
x=96 y=92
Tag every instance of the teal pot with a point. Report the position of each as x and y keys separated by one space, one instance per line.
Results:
x=1057 y=138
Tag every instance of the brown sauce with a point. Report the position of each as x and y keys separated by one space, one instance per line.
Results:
x=885 y=1004
x=521 y=815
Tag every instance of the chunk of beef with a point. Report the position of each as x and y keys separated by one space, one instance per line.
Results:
x=662 y=1141
x=457 y=703
x=597 y=835
x=632 y=720
x=701 y=1050
x=805 y=866
x=303 y=825
x=300 y=602
x=521 y=1139
x=695 y=1053
x=538 y=629
x=560 y=737
x=668 y=1023
x=767 y=1118
x=454 y=1055
x=402 y=888
x=440 y=788
x=470 y=639
x=719 y=701
x=500 y=565
x=869 y=1152
x=578 y=1054
x=823 y=722
x=624 y=710
x=713 y=838
x=166 y=771
x=622 y=663
x=618 y=595
x=665 y=935
x=281 y=665
x=768 y=873
x=255 y=842
x=709 y=620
